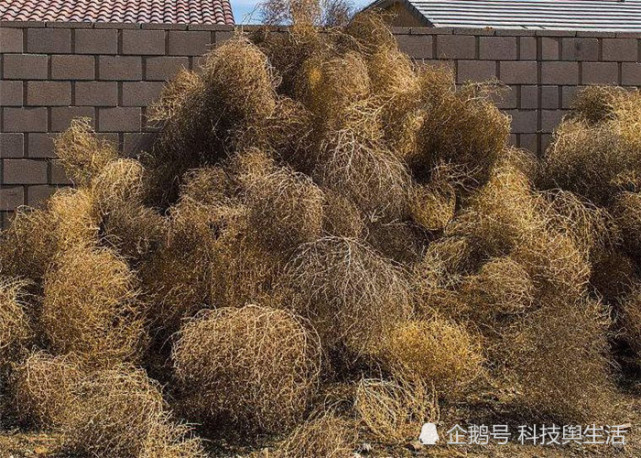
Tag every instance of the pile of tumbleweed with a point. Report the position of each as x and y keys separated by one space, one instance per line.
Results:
x=325 y=241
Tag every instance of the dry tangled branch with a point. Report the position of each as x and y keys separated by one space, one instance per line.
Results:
x=631 y=320
x=91 y=307
x=341 y=217
x=597 y=151
x=329 y=85
x=395 y=410
x=37 y=236
x=442 y=354
x=112 y=413
x=327 y=435
x=167 y=440
x=286 y=208
x=501 y=287
x=349 y=292
x=262 y=374
x=43 y=388
x=627 y=213
x=15 y=327
x=82 y=154
x=460 y=127
x=561 y=361
x=373 y=178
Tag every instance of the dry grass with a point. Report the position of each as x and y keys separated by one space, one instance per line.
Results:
x=210 y=185
x=281 y=12
x=327 y=435
x=37 y=236
x=613 y=275
x=631 y=320
x=435 y=278
x=250 y=163
x=370 y=176
x=598 y=103
x=561 y=363
x=591 y=228
x=401 y=123
x=328 y=85
x=494 y=302
x=130 y=227
x=392 y=74
x=209 y=256
x=28 y=245
x=173 y=101
x=440 y=353
x=243 y=270
x=400 y=241
x=287 y=134
x=405 y=107
x=112 y=413
x=432 y=207
x=77 y=221
x=134 y=231
x=516 y=266
x=204 y=116
x=119 y=181
x=177 y=277
x=371 y=32
x=502 y=287
x=167 y=440
x=238 y=76
x=585 y=159
x=91 y=307
x=396 y=89
x=597 y=151
x=521 y=160
x=375 y=212
x=118 y=412
x=15 y=327
x=348 y=291
x=328 y=13
x=262 y=374
x=555 y=264
x=82 y=154
x=501 y=215
x=627 y=213
x=461 y=127
x=177 y=288
x=231 y=263
x=394 y=411
x=288 y=51
x=341 y=217
x=447 y=258
x=179 y=148
x=43 y=388
x=285 y=208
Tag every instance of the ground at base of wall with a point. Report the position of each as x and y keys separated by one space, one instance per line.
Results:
x=16 y=444
x=42 y=445
x=21 y=444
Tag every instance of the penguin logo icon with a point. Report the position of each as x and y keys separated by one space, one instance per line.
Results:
x=429 y=435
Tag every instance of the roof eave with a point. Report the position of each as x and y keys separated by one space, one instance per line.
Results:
x=382 y=4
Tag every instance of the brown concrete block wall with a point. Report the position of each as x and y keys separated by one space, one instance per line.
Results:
x=543 y=69
x=110 y=73
x=53 y=73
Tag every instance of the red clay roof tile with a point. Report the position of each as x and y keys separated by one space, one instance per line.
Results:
x=139 y=11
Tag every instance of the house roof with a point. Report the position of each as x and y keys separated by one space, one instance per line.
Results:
x=140 y=11
x=592 y=15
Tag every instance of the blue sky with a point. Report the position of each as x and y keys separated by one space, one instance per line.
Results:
x=243 y=9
